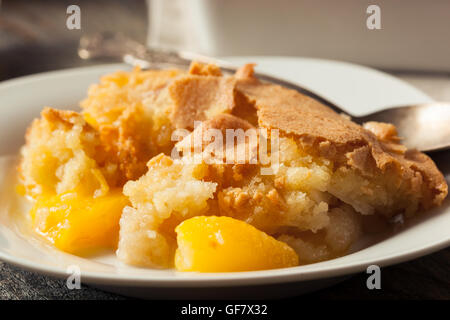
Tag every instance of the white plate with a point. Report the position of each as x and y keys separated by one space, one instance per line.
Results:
x=355 y=88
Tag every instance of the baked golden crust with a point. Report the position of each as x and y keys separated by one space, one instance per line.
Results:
x=221 y=122
x=198 y=98
x=122 y=109
x=204 y=69
x=371 y=150
x=134 y=113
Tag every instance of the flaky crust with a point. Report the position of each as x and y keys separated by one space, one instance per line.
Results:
x=198 y=98
x=370 y=150
x=135 y=113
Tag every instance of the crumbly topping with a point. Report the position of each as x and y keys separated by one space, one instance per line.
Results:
x=371 y=149
x=197 y=98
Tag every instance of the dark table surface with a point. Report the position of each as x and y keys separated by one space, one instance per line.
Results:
x=33 y=38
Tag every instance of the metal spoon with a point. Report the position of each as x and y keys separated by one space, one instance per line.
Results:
x=425 y=127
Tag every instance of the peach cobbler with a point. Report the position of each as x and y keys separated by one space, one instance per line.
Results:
x=134 y=172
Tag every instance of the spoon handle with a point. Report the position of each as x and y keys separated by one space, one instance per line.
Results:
x=118 y=46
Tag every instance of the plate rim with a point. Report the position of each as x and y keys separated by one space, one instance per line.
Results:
x=231 y=279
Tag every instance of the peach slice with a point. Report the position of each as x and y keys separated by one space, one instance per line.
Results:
x=224 y=244
x=79 y=224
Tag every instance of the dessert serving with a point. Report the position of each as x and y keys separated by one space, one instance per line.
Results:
x=200 y=171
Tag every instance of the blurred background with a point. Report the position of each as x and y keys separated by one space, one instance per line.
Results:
x=413 y=36
x=34 y=36
x=412 y=44
x=413 y=41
